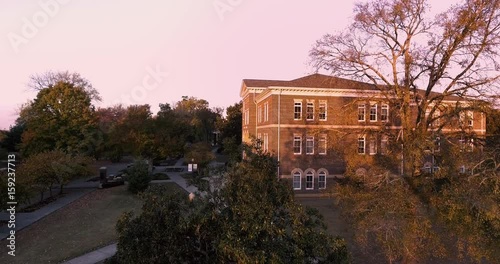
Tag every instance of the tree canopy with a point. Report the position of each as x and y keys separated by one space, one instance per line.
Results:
x=415 y=59
x=253 y=218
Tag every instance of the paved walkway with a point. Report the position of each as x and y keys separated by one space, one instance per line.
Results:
x=108 y=251
x=95 y=256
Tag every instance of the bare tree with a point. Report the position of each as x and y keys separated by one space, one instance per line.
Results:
x=48 y=79
x=418 y=60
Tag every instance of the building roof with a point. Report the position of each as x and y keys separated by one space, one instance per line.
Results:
x=315 y=80
x=326 y=82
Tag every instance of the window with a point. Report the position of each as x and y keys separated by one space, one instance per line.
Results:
x=428 y=168
x=266 y=112
x=310 y=111
x=373 y=113
x=309 y=180
x=309 y=145
x=296 y=180
x=466 y=144
x=259 y=140
x=297 y=144
x=383 y=144
x=462 y=143
x=373 y=146
x=297 y=111
x=470 y=117
x=437 y=144
x=266 y=142
x=322 y=111
x=361 y=112
x=247 y=117
x=259 y=115
x=361 y=145
x=322 y=145
x=322 y=180
x=384 y=113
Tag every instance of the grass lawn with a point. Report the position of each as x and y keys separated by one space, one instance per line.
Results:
x=160 y=176
x=78 y=228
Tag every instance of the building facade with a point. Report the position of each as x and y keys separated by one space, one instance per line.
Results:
x=310 y=124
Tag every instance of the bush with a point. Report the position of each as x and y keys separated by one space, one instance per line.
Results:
x=138 y=177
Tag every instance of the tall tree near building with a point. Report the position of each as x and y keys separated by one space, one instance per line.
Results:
x=396 y=46
x=417 y=61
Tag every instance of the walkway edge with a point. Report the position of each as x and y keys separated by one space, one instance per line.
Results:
x=95 y=256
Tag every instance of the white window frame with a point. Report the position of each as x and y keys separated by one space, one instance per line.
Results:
x=297 y=175
x=310 y=110
x=373 y=107
x=470 y=118
x=322 y=111
x=361 y=107
x=259 y=114
x=384 y=143
x=247 y=116
x=361 y=139
x=322 y=181
x=322 y=144
x=266 y=111
x=384 y=108
x=309 y=175
x=266 y=142
x=296 y=113
x=297 y=138
x=309 y=140
x=373 y=146
x=437 y=144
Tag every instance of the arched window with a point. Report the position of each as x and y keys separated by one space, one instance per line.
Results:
x=297 y=177
x=309 y=180
x=322 y=179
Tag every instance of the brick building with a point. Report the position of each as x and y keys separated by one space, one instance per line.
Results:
x=295 y=120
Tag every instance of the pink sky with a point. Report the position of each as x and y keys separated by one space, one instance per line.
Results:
x=116 y=44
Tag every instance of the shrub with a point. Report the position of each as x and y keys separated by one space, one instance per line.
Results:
x=138 y=177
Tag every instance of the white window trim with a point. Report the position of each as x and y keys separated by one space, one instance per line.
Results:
x=309 y=173
x=259 y=116
x=300 y=113
x=324 y=187
x=361 y=106
x=307 y=110
x=386 y=107
x=300 y=148
x=322 y=137
x=364 y=145
x=384 y=139
x=266 y=111
x=323 y=102
x=300 y=180
x=310 y=139
x=266 y=142
x=470 y=118
x=376 y=112
x=374 y=141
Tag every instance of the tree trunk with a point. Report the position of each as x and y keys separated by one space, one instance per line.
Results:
x=61 y=189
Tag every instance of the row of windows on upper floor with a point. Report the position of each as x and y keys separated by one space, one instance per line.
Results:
x=375 y=113
x=310 y=115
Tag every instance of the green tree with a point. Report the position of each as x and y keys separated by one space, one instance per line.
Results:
x=252 y=219
x=200 y=117
x=43 y=171
x=138 y=177
x=61 y=117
